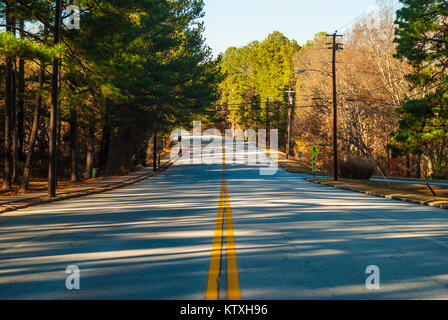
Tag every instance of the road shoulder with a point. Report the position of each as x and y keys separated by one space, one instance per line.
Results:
x=386 y=192
x=21 y=203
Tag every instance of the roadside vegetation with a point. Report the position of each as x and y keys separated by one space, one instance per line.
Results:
x=392 y=190
x=131 y=71
x=392 y=85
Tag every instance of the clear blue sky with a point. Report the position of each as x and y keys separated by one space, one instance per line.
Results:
x=237 y=22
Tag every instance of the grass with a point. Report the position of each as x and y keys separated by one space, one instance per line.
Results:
x=40 y=184
x=293 y=165
x=405 y=190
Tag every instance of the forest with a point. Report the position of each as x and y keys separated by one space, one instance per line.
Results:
x=391 y=90
x=88 y=83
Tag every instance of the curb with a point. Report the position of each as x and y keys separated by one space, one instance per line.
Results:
x=16 y=205
x=386 y=196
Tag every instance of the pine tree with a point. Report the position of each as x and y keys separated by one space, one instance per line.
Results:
x=422 y=38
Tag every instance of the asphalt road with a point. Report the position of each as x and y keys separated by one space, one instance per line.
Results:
x=225 y=231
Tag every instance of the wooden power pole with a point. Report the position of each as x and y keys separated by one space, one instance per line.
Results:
x=52 y=178
x=335 y=47
x=155 y=149
x=288 y=129
x=267 y=125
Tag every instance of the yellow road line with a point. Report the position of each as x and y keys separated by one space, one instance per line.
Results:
x=214 y=272
x=233 y=280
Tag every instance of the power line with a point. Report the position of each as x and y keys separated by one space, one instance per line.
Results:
x=363 y=13
x=257 y=106
x=401 y=101
x=426 y=90
x=385 y=85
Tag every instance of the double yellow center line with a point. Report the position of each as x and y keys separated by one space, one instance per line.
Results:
x=223 y=231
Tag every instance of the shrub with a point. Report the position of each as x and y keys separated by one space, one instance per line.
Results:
x=355 y=167
x=442 y=174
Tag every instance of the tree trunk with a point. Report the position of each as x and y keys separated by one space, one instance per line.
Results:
x=408 y=166
x=52 y=154
x=388 y=151
x=8 y=131
x=104 y=148
x=90 y=149
x=14 y=123
x=21 y=102
x=74 y=143
x=154 y=158
x=419 y=166
x=35 y=127
x=34 y=130
x=8 y=108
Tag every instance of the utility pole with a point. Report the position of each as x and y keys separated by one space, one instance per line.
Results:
x=154 y=159
x=335 y=47
x=52 y=178
x=8 y=104
x=288 y=129
x=179 y=141
x=233 y=126
x=268 y=131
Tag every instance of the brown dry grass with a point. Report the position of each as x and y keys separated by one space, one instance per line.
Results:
x=41 y=185
x=406 y=190
x=292 y=165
